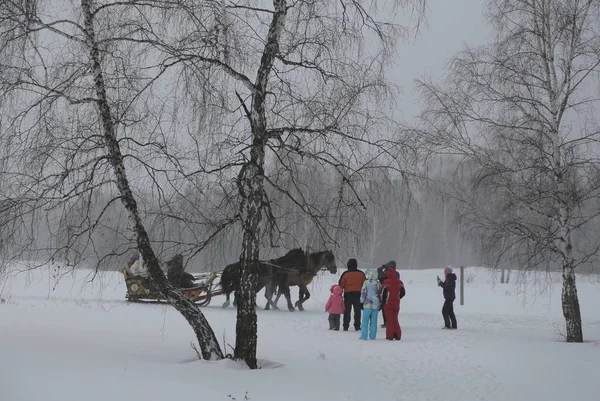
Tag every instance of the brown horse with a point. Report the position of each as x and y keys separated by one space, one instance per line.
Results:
x=302 y=275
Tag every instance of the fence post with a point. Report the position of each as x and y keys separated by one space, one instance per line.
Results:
x=462 y=285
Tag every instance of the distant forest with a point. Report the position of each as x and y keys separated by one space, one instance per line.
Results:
x=419 y=226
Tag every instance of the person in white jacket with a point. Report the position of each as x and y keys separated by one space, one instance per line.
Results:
x=138 y=268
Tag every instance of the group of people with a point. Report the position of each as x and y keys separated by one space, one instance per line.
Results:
x=176 y=273
x=379 y=290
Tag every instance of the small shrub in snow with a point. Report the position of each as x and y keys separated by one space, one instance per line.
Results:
x=228 y=355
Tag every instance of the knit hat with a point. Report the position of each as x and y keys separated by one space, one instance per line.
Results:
x=352 y=264
x=176 y=260
x=447 y=270
x=391 y=264
x=336 y=289
x=132 y=259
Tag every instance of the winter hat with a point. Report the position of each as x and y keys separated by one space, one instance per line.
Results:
x=132 y=259
x=391 y=264
x=336 y=289
x=372 y=275
x=177 y=260
x=447 y=270
x=352 y=264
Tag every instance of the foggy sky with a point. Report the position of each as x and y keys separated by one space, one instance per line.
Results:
x=449 y=26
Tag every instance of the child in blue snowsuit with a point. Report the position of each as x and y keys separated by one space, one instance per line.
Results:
x=369 y=298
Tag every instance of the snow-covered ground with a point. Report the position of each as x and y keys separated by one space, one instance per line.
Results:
x=83 y=341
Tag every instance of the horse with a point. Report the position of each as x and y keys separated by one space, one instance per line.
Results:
x=268 y=273
x=230 y=282
x=302 y=276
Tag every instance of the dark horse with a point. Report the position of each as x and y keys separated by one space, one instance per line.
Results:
x=230 y=282
x=302 y=276
x=278 y=272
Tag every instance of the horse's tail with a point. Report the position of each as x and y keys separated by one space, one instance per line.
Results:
x=230 y=278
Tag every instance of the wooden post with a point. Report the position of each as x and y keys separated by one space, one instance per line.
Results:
x=462 y=285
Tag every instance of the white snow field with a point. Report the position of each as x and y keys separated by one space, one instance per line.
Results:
x=83 y=342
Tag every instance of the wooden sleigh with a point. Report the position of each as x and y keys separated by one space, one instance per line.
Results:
x=141 y=289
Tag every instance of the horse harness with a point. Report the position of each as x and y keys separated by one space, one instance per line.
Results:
x=306 y=272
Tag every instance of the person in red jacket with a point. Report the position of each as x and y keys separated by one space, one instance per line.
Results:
x=391 y=293
x=382 y=271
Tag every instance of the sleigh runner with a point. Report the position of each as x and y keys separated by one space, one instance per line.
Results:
x=141 y=289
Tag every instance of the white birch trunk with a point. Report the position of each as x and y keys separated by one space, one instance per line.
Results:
x=251 y=183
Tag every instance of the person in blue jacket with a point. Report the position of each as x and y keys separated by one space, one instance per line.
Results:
x=369 y=298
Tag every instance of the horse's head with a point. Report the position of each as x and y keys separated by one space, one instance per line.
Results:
x=327 y=261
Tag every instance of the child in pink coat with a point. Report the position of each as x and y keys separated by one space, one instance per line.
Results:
x=335 y=307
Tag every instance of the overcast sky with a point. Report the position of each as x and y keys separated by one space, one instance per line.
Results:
x=450 y=25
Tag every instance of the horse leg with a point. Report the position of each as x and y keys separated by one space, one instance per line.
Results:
x=226 y=303
x=274 y=284
x=288 y=297
x=269 y=295
x=279 y=292
x=306 y=296
x=278 y=296
x=299 y=296
x=270 y=298
x=302 y=297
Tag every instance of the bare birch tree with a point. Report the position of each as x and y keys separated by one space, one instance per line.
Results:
x=69 y=85
x=519 y=113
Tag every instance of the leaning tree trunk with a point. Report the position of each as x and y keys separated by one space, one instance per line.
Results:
x=209 y=346
x=250 y=185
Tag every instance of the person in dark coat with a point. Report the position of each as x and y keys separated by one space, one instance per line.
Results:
x=449 y=286
x=177 y=275
x=382 y=272
x=351 y=282
x=392 y=292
